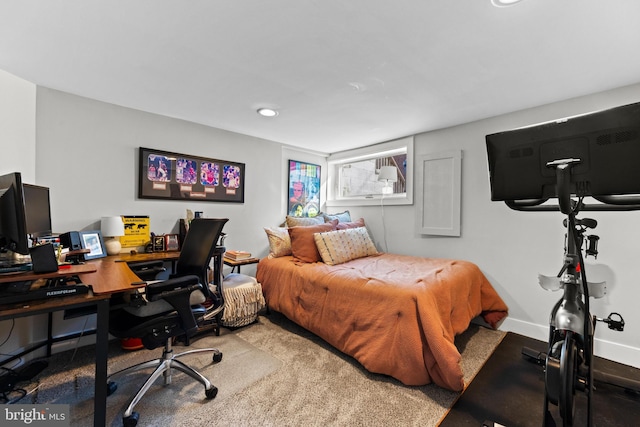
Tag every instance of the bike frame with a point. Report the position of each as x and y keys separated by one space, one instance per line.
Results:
x=569 y=360
x=571 y=329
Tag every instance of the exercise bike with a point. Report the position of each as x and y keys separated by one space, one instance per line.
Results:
x=569 y=359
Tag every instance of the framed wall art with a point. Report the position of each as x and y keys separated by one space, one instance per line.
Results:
x=174 y=176
x=304 y=189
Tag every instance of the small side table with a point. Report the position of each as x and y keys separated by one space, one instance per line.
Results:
x=237 y=263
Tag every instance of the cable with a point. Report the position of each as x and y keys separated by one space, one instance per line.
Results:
x=384 y=227
x=73 y=355
x=13 y=325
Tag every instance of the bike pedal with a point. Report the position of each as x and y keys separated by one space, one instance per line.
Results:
x=534 y=356
x=616 y=325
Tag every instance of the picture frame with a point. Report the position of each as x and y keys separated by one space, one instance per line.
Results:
x=171 y=242
x=175 y=176
x=93 y=241
x=303 y=197
x=158 y=243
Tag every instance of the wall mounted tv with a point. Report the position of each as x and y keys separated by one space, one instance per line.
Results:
x=607 y=144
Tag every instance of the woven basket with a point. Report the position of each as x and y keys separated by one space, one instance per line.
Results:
x=242 y=300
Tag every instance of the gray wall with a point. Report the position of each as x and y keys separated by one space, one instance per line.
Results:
x=86 y=152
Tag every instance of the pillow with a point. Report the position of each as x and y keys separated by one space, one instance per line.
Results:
x=279 y=241
x=341 y=217
x=340 y=246
x=303 y=247
x=296 y=221
x=355 y=224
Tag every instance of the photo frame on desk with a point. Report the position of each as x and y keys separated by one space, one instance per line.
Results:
x=158 y=243
x=93 y=241
x=171 y=242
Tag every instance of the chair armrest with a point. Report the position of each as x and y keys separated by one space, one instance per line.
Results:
x=173 y=287
x=177 y=292
x=147 y=270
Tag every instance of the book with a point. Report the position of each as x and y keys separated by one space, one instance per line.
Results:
x=237 y=255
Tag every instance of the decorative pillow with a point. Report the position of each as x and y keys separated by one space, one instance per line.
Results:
x=337 y=247
x=279 y=241
x=341 y=217
x=354 y=224
x=295 y=221
x=303 y=247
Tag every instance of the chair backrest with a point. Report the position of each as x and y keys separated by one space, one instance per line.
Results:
x=198 y=247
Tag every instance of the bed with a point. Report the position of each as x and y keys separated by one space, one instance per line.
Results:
x=397 y=315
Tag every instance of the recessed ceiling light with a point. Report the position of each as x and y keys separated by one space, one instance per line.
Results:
x=267 y=112
x=504 y=3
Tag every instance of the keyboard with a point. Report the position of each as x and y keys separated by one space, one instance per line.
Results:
x=16 y=268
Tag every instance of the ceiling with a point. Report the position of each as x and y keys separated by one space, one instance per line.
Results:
x=341 y=73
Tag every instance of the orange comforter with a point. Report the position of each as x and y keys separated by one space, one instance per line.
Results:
x=397 y=315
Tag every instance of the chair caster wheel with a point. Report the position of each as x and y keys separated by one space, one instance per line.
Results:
x=212 y=392
x=217 y=357
x=111 y=388
x=131 y=420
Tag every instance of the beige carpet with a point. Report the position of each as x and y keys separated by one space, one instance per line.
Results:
x=273 y=373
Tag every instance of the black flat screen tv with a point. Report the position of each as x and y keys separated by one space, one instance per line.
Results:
x=13 y=228
x=606 y=143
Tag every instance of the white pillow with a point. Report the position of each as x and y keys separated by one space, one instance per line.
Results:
x=340 y=246
x=279 y=241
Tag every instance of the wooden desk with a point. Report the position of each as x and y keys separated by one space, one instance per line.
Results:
x=106 y=276
x=149 y=256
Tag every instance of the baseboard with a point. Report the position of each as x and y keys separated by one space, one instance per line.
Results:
x=72 y=344
x=616 y=352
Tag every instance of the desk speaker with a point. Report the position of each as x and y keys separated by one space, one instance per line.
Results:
x=43 y=258
x=71 y=240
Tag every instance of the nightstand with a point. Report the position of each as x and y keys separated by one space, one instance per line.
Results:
x=237 y=263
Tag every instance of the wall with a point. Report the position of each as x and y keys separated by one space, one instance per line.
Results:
x=513 y=247
x=17 y=126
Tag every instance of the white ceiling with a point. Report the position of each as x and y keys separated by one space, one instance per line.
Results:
x=342 y=73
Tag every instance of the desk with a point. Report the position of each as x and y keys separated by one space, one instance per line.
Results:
x=107 y=276
x=149 y=256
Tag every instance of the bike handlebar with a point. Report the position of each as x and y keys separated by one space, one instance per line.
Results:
x=627 y=202
x=608 y=203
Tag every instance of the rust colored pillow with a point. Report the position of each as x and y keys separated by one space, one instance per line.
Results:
x=303 y=245
x=353 y=224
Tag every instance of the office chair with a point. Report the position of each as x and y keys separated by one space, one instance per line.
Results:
x=203 y=242
x=199 y=247
x=169 y=309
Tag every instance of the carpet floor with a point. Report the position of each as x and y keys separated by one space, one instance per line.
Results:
x=273 y=373
x=509 y=390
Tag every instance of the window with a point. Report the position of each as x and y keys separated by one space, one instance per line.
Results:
x=359 y=177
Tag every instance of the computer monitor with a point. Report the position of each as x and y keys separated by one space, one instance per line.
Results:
x=13 y=227
x=37 y=210
x=606 y=142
